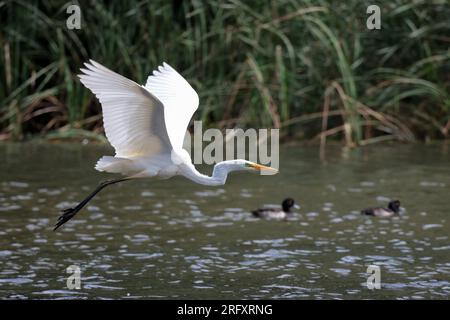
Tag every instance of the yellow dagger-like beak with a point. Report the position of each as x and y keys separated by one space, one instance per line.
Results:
x=261 y=167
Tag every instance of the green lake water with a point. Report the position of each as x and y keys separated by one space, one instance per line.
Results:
x=172 y=238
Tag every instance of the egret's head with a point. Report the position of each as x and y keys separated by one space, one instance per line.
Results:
x=255 y=167
x=240 y=165
x=244 y=165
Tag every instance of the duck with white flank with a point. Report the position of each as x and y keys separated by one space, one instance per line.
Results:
x=272 y=213
x=393 y=209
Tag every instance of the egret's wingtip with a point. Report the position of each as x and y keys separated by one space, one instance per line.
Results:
x=92 y=64
x=84 y=72
x=167 y=66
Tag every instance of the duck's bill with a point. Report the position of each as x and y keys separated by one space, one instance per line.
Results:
x=296 y=206
x=261 y=167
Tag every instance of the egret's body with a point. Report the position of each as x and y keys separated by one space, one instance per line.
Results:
x=146 y=126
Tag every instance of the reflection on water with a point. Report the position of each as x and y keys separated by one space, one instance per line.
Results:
x=175 y=239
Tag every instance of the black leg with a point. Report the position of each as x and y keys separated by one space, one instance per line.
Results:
x=71 y=212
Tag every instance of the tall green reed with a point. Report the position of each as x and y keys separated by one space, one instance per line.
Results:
x=274 y=64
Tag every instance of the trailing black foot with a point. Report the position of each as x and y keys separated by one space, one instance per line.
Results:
x=71 y=212
x=66 y=216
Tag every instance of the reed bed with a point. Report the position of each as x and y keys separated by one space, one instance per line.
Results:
x=310 y=68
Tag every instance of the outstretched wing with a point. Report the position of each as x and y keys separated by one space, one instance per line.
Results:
x=179 y=99
x=133 y=118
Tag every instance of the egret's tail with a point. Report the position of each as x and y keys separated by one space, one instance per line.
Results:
x=115 y=165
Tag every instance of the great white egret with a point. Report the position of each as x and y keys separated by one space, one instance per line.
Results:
x=146 y=126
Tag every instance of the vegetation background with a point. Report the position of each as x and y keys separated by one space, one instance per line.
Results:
x=311 y=68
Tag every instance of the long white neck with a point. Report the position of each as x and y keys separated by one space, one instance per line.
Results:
x=219 y=175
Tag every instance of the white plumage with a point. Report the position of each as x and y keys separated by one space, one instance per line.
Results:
x=136 y=119
x=179 y=99
x=146 y=126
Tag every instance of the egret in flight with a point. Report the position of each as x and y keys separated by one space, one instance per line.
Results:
x=146 y=126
